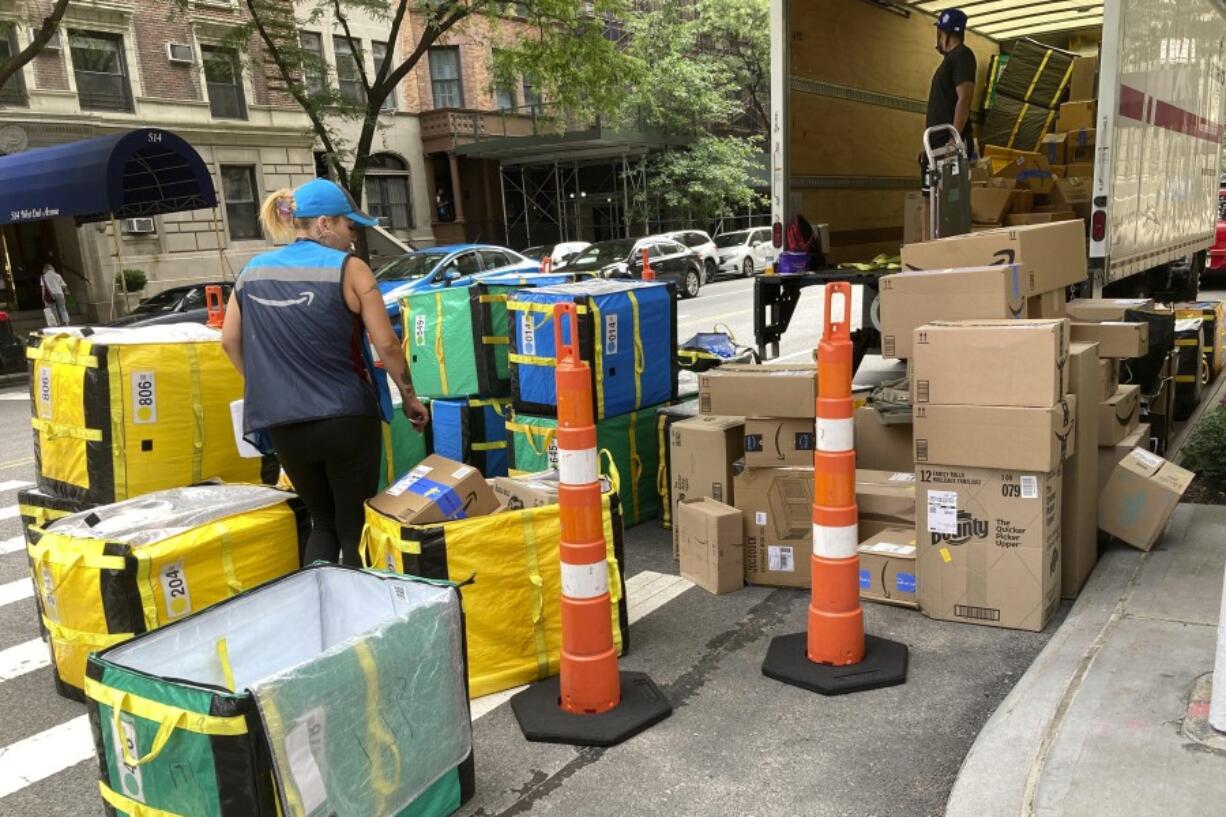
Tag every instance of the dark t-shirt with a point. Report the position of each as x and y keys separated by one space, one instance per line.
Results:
x=958 y=67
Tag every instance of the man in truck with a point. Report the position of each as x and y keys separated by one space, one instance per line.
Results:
x=953 y=84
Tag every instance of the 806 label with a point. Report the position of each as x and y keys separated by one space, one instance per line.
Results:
x=144 y=398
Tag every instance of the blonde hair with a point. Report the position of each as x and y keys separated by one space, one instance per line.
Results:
x=277 y=217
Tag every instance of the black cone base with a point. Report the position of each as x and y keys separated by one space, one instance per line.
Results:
x=884 y=665
x=542 y=719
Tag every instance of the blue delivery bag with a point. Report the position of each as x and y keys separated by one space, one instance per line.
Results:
x=473 y=432
x=627 y=334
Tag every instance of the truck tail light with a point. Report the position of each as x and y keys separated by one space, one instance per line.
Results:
x=777 y=235
x=1098 y=225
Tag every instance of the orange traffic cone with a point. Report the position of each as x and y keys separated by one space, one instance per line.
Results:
x=590 y=703
x=547 y=265
x=215 y=305
x=835 y=656
x=648 y=273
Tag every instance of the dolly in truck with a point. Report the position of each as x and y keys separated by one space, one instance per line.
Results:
x=849 y=80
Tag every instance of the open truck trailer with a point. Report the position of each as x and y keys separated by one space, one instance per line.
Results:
x=849 y=89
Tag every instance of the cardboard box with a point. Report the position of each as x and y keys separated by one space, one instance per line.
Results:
x=1116 y=339
x=437 y=490
x=915 y=218
x=1079 y=170
x=1059 y=171
x=1119 y=416
x=1047 y=305
x=1096 y=310
x=770 y=443
x=1021 y=201
x=911 y=299
x=1081 y=81
x=777 y=505
x=745 y=390
x=530 y=490
x=992 y=363
x=988 y=546
x=1079 y=503
x=981 y=170
x=1076 y=195
x=702 y=452
x=1052 y=256
x=989 y=205
x=1112 y=455
x=1033 y=218
x=712 y=545
x=1075 y=116
x=881 y=446
x=1018 y=439
x=1140 y=498
x=885 y=500
x=1054 y=148
x=1108 y=377
x=887 y=568
x=1079 y=150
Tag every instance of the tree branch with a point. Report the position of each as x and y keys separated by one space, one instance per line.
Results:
x=41 y=37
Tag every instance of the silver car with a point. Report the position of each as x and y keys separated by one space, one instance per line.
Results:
x=744 y=252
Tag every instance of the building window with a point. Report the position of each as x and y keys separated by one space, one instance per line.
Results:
x=101 y=71
x=504 y=95
x=532 y=98
x=445 y=82
x=242 y=205
x=348 y=75
x=224 y=79
x=312 y=60
x=14 y=91
x=387 y=192
x=380 y=53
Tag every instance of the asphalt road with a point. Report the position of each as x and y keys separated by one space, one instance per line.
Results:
x=737 y=744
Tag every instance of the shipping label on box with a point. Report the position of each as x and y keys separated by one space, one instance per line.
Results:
x=1115 y=339
x=991 y=363
x=1118 y=417
x=1052 y=256
x=887 y=568
x=746 y=390
x=1022 y=439
x=774 y=442
x=777 y=506
x=702 y=451
x=988 y=546
x=1094 y=310
x=712 y=545
x=1140 y=497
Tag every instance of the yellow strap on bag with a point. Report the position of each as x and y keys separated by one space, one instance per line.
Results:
x=130 y=807
x=615 y=477
x=193 y=375
x=223 y=658
x=640 y=363
x=227 y=558
x=384 y=783
x=636 y=464
x=438 y=341
x=1055 y=100
x=56 y=431
x=59 y=354
x=598 y=368
x=535 y=360
x=547 y=309
x=662 y=487
x=388 y=453
x=491 y=299
x=531 y=433
x=532 y=563
x=1038 y=74
x=78 y=638
x=157 y=712
x=496 y=340
x=494 y=446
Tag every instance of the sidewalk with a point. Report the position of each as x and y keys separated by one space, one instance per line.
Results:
x=1096 y=725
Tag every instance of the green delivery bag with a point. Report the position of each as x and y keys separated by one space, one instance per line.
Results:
x=630 y=440
x=455 y=340
x=403 y=446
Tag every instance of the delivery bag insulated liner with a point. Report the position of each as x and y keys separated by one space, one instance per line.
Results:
x=123 y=412
x=509 y=567
x=107 y=574
x=472 y=431
x=331 y=691
x=627 y=335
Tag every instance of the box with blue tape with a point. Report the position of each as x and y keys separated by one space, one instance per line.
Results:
x=437 y=490
x=887 y=568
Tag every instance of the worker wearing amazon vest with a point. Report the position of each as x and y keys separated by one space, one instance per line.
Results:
x=296 y=327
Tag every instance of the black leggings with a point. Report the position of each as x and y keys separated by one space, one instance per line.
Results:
x=334 y=466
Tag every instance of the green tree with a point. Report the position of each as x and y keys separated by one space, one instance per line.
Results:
x=42 y=35
x=741 y=30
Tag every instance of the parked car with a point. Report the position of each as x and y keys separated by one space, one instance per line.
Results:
x=700 y=243
x=558 y=253
x=183 y=304
x=437 y=267
x=1217 y=253
x=623 y=258
x=744 y=252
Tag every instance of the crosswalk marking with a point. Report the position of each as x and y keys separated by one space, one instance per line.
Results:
x=16 y=591
x=15 y=396
x=10 y=512
x=40 y=756
x=646 y=592
x=25 y=657
x=14 y=485
x=12 y=545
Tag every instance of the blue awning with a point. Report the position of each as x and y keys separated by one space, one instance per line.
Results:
x=139 y=173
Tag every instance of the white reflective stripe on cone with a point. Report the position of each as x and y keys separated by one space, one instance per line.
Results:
x=835 y=436
x=836 y=543
x=578 y=467
x=585 y=581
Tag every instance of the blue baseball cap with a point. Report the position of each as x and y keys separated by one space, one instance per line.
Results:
x=952 y=21
x=320 y=197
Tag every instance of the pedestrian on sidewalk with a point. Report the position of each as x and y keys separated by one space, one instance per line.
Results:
x=296 y=328
x=53 y=292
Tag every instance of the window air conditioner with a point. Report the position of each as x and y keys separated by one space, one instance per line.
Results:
x=180 y=52
x=53 y=44
x=139 y=225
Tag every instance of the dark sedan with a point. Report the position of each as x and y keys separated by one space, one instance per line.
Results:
x=623 y=258
x=183 y=304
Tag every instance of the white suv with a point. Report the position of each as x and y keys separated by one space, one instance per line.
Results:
x=745 y=251
x=701 y=245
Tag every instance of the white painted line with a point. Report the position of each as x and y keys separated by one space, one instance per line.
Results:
x=16 y=591
x=40 y=756
x=646 y=592
x=26 y=657
x=14 y=485
x=10 y=512
x=15 y=396
x=12 y=545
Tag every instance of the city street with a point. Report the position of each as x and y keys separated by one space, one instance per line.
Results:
x=737 y=743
